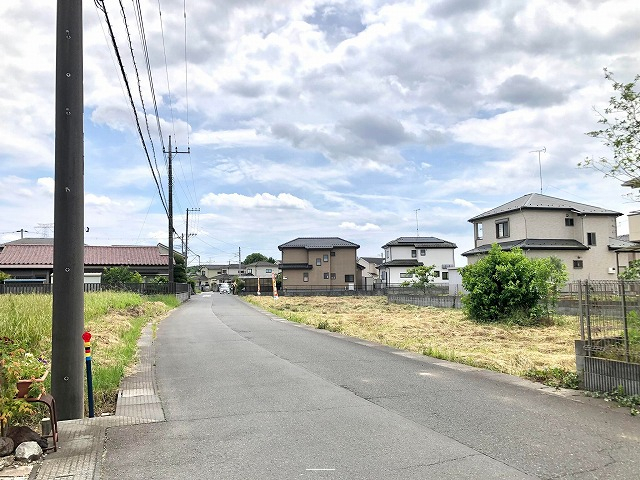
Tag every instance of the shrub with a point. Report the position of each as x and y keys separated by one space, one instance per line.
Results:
x=509 y=287
x=118 y=276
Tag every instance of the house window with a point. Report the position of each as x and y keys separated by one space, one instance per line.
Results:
x=326 y=276
x=325 y=258
x=406 y=275
x=414 y=253
x=348 y=278
x=268 y=270
x=333 y=276
x=423 y=252
x=502 y=228
x=591 y=238
x=333 y=254
x=318 y=262
x=445 y=275
x=577 y=264
x=568 y=222
x=478 y=231
x=305 y=277
x=250 y=271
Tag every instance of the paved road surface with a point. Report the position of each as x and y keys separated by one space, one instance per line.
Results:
x=249 y=396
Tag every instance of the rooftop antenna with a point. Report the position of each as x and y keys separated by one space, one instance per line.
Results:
x=417 y=232
x=542 y=150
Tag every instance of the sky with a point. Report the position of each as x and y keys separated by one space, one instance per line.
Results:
x=366 y=120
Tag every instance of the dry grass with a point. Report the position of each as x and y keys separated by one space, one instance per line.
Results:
x=438 y=332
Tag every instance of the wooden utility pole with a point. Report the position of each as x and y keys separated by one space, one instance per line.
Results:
x=170 y=212
x=67 y=346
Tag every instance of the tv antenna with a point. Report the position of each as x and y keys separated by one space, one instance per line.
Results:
x=542 y=150
x=417 y=232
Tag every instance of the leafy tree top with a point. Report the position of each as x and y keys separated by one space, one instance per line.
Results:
x=620 y=131
x=257 y=257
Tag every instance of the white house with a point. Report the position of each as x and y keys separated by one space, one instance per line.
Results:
x=407 y=252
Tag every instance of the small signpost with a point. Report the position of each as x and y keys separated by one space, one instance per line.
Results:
x=86 y=336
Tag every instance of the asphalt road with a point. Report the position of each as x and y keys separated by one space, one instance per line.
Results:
x=249 y=396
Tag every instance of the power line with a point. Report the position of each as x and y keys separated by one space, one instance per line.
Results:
x=100 y=5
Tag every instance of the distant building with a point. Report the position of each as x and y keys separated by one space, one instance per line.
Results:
x=404 y=253
x=320 y=263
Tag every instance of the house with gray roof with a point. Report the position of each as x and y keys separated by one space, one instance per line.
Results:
x=584 y=237
x=404 y=253
x=320 y=263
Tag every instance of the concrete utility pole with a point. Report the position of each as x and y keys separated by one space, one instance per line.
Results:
x=186 y=242
x=170 y=212
x=67 y=365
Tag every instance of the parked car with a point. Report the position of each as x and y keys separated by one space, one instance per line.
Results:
x=224 y=288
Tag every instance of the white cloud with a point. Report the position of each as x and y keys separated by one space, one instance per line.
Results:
x=361 y=228
x=262 y=200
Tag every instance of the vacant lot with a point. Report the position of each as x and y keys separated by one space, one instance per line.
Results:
x=442 y=333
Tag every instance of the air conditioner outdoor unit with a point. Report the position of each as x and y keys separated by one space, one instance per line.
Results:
x=612 y=269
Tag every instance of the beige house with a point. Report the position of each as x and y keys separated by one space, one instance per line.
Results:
x=324 y=263
x=584 y=237
x=370 y=273
x=261 y=269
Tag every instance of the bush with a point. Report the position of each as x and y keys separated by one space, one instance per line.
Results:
x=509 y=287
x=118 y=276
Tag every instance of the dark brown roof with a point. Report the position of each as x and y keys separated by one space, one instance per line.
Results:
x=13 y=254
x=532 y=244
x=420 y=242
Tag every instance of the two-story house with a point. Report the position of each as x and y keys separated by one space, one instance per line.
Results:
x=319 y=263
x=370 y=272
x=407 y=252
x=261 y=269
x=582 y=236
x=222 y=273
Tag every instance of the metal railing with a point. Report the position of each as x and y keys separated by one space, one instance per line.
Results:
x=141 y=288
x=610 y=319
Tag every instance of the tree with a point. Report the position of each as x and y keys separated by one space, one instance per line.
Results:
x=632 y=272
x=257 y=257
x=4 y=276
x=508 y=286
x=422 y=277
x=179 y=270
x=118 y=276
x=621 y=132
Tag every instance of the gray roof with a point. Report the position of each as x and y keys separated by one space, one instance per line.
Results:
x=532 y=244
x=403 y=262
x=31 y=241
x=312 y=243
x=374 y=260
x=544 y=202
x=420 y=242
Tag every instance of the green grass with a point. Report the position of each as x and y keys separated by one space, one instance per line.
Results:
x=115 y=320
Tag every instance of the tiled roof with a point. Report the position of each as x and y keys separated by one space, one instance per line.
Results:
x=544 y=202
x=318 y=242
x=421 y=242
x=401 y=263
x=295 y=266
x=374 y=260
x=31 y=241
x=19 y=254
x=532 y=244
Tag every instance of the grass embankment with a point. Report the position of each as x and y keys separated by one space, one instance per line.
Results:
x=115 y=320
x=543 y=353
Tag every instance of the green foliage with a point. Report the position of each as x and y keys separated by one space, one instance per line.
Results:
x=632 y=272
x=159 y=280
x=118 y=276
x=423 y=277
x=509 y=287
x=620 y=131
x=179 y=269
x=239 y=286
x=4 y=276
x=618 y=395
x=554 y=377
x=257 y=257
